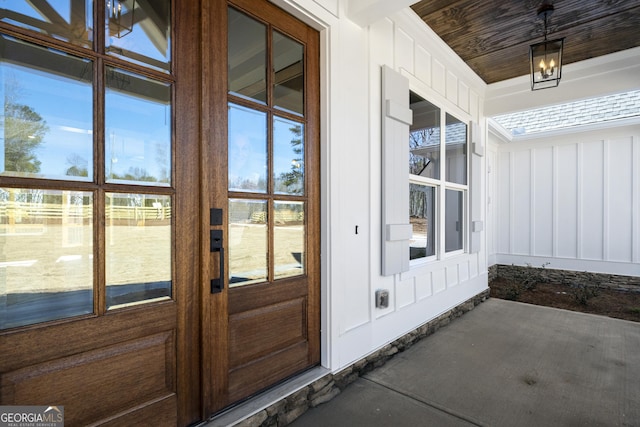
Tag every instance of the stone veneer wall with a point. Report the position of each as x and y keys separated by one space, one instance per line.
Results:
x=611 y=281
x=493 y=272
x=326 y=388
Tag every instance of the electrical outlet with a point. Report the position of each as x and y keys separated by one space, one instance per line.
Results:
x=382 y=298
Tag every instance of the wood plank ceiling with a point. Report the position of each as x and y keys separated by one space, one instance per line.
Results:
x=493 y=37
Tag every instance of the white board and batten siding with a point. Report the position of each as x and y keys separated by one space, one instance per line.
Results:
x=572 y=200
x=420 y=292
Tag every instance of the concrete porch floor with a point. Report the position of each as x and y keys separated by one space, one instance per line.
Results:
x=502 y=364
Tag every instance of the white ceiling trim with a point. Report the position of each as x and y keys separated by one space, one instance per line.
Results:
x=366 y=12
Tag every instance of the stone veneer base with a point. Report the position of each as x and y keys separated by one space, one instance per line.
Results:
x=610 y=281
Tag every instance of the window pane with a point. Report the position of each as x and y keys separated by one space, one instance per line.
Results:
x=137 y=248
x=454 y=220
x=289 y=233
x=138 y=129
x=288 y=66
x=47 y=131
x=247 y=241
x=424 y=138
x=456 y=150
x=46 y=255
x=71 y=21
x=247 y=57
x=247 y=149
x=139 y=31
x=422 y=210
x=288 y=156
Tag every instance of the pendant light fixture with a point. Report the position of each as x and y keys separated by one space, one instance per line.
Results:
x=120 y=18
x=546 y=57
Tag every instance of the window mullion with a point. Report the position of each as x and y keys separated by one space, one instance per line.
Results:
x=99 y=178
x=441 y=187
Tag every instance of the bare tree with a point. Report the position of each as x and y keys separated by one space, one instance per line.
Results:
x=24 y=132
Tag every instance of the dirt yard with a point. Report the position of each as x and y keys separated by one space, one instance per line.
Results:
x=603 y=301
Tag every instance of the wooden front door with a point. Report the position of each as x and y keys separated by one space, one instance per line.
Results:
x=261 y=170
x=98 y=223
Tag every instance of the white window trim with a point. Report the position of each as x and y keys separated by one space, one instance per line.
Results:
x=441 y=185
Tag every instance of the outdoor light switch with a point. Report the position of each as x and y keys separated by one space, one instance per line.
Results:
x=382 y=298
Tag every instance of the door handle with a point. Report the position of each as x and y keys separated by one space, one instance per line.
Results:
x=216 y=245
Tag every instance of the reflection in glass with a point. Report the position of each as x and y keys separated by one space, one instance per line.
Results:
x=247 y=241
x=138 y=248
x=247 y=60
x=424 y=138
x=456 y=150
x=422 y=210
x=137 y=129
x=288 y=239
x=139 y=31
x=247 y=149
x=288 y=66
x=48 y=113
x=454 y=220
x=70 y=21
x=46 y=255
x=288 y=156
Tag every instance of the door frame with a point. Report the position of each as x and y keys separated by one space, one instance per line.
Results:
x=188 y=69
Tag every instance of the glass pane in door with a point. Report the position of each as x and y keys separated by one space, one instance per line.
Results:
x=47 y=95
x=138 y=248
x=139 y=31
x=67 y=20
x=137 y=129
x=247 y=241
x=247 y=150
x=288 y=239
x=288 y=68
x=46 y=255
x=247 y=57
x=288 y=156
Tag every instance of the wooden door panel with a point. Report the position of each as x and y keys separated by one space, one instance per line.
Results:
x=255 y=296
x=159 y=413
x=97 y=368
x=256 y=333
x=42 y=343
x=268 y=370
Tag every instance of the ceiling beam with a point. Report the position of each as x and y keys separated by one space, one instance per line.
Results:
x=45 y=10
x=366 y=12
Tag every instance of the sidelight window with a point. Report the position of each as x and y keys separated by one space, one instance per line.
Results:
x=86 y=188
